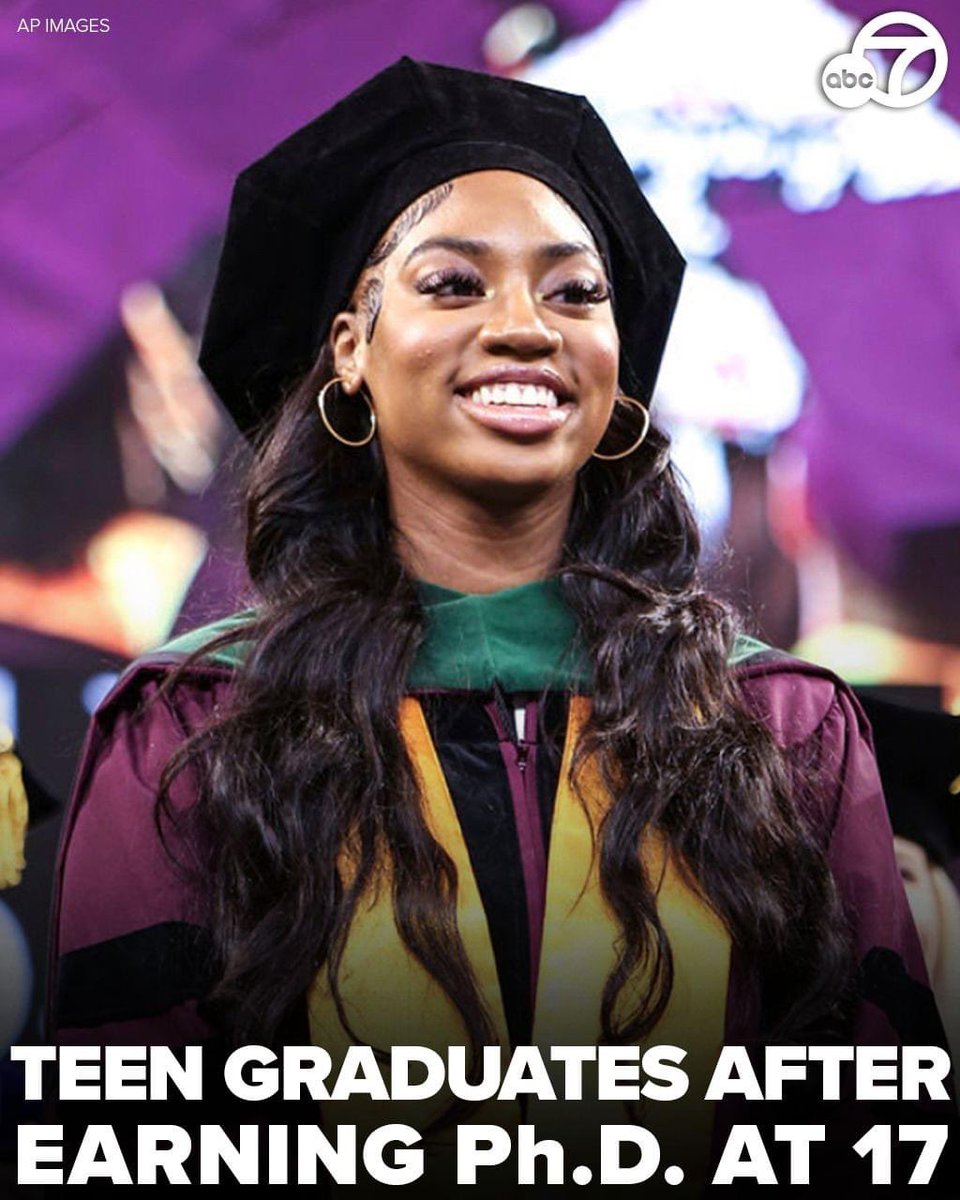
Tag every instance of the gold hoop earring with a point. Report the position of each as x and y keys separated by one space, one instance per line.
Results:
x=643 y=432
x=321 y=404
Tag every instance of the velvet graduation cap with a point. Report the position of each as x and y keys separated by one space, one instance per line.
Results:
x=304 y=218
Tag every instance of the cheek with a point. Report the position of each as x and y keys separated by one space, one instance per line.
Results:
x=409 y=372
x=608 y=351
x=413 y=347
x=600 y=363
x=598 y=349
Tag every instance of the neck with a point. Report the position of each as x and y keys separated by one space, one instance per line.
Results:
x=479 y=545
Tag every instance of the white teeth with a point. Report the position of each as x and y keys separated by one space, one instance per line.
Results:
x=515 y=393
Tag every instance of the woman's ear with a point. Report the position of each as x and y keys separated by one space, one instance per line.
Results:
x=349 y=349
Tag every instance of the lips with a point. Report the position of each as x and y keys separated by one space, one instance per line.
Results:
x=517 y=386
x=520 y=403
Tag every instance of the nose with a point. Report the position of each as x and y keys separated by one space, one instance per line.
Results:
x=515 y=325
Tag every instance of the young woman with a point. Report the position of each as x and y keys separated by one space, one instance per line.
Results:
x=483 y=764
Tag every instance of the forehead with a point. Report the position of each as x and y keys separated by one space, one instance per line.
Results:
x=501 y=206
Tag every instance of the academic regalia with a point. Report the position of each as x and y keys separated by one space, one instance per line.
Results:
x=496 y=696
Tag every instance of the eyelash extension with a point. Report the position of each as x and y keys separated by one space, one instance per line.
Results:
x=576 y=291
x=451 y=277
x=585 y=291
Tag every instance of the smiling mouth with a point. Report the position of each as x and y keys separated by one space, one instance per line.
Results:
x=516 y=395
x=516 y=410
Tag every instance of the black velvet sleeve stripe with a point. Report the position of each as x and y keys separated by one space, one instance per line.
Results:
x=909 y=1004
x=140 y=974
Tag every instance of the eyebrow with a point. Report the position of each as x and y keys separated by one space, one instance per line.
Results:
x=568 y=250
x=477 y=249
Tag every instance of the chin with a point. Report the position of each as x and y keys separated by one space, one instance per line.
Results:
x=521 y=484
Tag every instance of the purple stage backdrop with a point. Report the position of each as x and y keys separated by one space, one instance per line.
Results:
x=824 y=250
x=119 y=148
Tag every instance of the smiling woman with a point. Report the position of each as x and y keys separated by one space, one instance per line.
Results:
x=491 y=364
x=483 y=765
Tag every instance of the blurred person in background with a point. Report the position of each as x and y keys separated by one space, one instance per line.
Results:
x=864 y=496
x=109 y=502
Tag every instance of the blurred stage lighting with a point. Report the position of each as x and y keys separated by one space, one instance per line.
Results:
x=523 y=32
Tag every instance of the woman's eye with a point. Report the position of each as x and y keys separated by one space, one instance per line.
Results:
x=580 y=291
x=451 y=283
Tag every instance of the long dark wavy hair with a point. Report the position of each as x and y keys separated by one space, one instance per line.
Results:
x=309 y=761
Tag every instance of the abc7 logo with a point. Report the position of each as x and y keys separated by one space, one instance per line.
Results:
x=850 y=80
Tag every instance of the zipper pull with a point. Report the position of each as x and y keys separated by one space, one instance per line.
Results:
x=507 y=722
